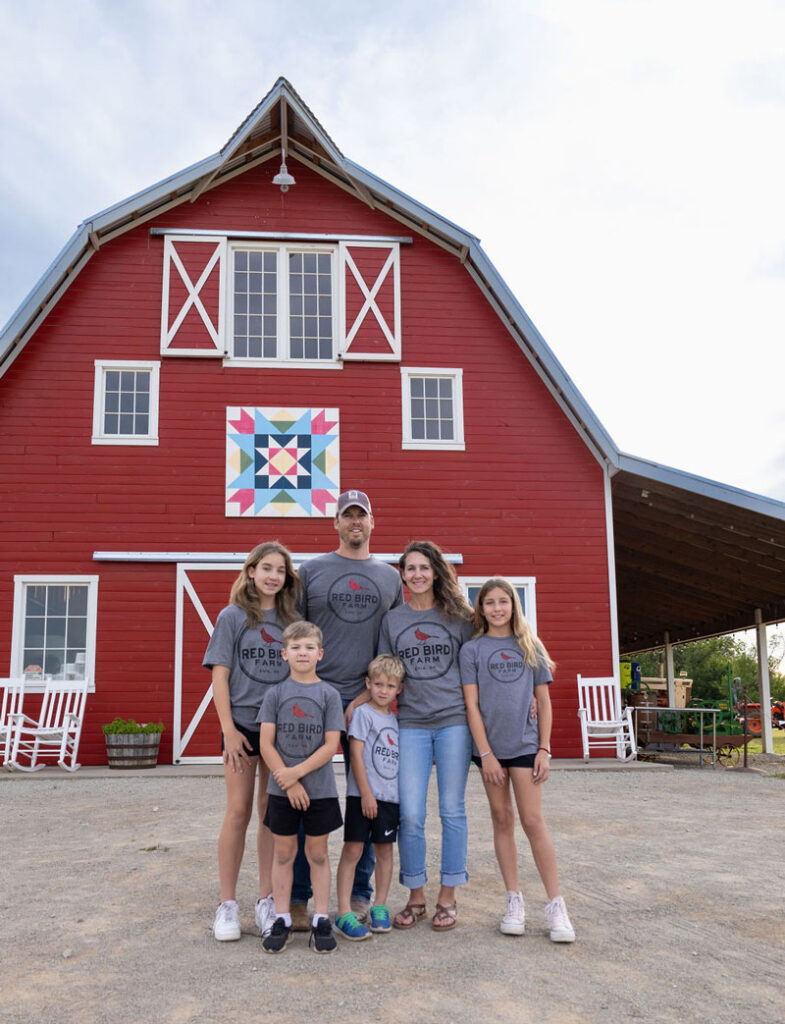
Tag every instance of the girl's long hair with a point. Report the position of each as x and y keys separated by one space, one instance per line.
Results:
x=446 y=592
x=533 y=648
x=245 y=595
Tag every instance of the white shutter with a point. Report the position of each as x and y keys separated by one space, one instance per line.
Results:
x=193 y=301
x=369 y=290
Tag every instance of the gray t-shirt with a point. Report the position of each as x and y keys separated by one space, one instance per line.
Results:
x=379 y=735
x=347 y=599
x=506 y=684
x=302 y=714
x=428 y=644
x=253 y=657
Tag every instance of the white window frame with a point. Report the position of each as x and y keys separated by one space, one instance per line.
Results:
x=18 y=628
x=102 y=366
x=282 y=359
x=528 y=584
x=456 y=443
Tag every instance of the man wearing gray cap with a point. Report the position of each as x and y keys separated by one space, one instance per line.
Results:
x=347 y=594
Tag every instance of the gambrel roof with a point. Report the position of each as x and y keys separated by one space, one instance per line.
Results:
x=693 y=556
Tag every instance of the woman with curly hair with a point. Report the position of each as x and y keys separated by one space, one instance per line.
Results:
x=244 y=655
x=427 y=633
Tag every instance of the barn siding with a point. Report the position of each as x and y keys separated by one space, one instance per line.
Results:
x=525 y=498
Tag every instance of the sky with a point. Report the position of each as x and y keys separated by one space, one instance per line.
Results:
x=622 y=162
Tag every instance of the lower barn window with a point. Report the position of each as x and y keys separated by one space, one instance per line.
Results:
x=125 y=406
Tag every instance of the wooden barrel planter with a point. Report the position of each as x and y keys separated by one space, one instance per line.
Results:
x=132 y=750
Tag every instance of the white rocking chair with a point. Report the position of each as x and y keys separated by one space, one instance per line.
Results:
x=55 y=733
x=603 y=723
x=13 y=699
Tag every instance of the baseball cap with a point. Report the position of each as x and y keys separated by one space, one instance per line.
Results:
x=358 y=498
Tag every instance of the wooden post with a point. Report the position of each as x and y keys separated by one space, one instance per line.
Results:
x=669 y=673
x=764 y=684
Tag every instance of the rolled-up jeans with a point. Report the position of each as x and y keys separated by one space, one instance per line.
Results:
x=301 y=881
x=450 y=747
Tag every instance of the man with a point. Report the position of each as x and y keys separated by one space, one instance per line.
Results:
x=347 y=594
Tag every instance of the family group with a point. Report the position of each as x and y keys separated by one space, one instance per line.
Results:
x=302 y=661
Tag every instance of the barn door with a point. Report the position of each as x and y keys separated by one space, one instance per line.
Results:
x=202 y=591
x=192 y=296
x=369 y=289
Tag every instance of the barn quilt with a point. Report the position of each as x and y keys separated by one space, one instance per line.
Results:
x=282 y=462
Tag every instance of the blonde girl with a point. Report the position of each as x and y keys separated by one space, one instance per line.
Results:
x=244 y=655
x=501 y=668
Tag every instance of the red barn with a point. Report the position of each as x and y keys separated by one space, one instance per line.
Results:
x=210 y=362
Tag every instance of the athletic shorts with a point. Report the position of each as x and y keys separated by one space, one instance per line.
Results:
x=381 y=829
x=524 y=761
x=252 y=735
x=322 y=816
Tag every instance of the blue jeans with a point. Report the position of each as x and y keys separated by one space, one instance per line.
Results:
x=451 y=748
x=301 y=882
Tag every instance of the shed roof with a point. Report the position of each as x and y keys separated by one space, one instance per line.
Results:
x=693 y=556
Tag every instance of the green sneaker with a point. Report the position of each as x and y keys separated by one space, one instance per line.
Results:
x=351 y=928
x=380 y=918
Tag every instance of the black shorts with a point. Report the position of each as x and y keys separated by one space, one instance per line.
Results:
x=322 y=816
x=524 y=761
x=381 y=829
x=252 y=735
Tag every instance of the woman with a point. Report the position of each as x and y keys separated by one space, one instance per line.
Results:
x=427 y=634
x=244 y=655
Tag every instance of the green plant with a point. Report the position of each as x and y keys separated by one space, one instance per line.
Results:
x=128 y=725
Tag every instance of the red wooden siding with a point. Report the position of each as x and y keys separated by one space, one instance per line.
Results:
x=525 y=498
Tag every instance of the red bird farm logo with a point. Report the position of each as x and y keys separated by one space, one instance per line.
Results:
x=354 y=597
x=384 y=752
x=427 y=649
x=259 y=655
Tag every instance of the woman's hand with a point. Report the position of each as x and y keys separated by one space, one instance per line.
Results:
x=541 y=768
x=492 y=771
x=298 y=798
x=235 y=746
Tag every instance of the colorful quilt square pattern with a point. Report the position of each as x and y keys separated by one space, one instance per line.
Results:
x=282 y=462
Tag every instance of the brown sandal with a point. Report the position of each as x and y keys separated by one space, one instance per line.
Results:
x=409 y=916
x=445 y=918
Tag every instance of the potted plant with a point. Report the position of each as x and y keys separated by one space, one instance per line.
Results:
x=131 y=745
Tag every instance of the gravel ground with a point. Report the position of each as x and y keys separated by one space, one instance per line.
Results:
x=673 y=880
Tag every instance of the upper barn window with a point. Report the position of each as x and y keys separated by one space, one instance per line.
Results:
x=310 y=302
x=282 y=304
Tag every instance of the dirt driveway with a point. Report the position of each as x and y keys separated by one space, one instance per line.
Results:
x=673 y=880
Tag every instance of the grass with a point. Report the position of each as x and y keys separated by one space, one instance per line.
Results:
x=755 y=746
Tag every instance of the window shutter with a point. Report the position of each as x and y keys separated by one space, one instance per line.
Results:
x=369 y=289
x=192 y=313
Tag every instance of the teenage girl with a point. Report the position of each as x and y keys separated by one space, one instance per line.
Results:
x=500 y=669
x=244 y=655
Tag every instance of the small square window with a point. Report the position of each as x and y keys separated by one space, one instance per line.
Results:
x=432 y=406
x=125 y=402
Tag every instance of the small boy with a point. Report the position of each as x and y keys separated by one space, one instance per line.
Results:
x=301 y=721
x=372 y=810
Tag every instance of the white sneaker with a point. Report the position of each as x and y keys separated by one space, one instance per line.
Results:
x=226 y=926
x=265 y=915
x=514 y=921
x=557 y=922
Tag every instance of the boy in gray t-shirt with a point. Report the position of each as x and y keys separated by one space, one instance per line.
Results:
x=301 y=720
x=371 y=796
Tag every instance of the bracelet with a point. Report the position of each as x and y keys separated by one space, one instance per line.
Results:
x=545 y=749
x=486 y=753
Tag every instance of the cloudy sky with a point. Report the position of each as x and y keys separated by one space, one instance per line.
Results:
x=622 y=162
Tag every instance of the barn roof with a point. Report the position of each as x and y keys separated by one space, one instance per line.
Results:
x=693 y=556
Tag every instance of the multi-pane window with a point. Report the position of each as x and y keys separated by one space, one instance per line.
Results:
x=283 y=304
x=524 y=585
x=54 y=627
x=125 y=409
x=432 y=403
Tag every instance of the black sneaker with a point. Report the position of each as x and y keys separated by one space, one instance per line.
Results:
x=278 y=939
x=322 y=939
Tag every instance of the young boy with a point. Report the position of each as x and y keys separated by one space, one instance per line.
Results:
x=301 y=720
x=371 y=796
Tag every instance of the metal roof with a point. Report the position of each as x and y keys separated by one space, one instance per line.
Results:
x=693 y=556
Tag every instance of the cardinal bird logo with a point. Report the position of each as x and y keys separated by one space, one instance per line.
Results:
x=390 y=740
x=423 y=636
x=299 y=713
x=356 y=586
x=266 y=637
x=505 y=657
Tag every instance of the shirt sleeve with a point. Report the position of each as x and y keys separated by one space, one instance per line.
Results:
x=302 y=602
x=268 y=712
x=221 y=644
x=467 y=659
x=333 y=710
x=542 y=674
x=360 y=724
x=384 y=646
